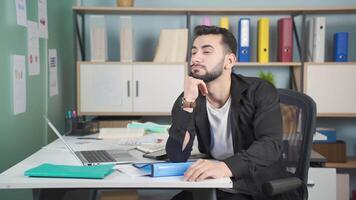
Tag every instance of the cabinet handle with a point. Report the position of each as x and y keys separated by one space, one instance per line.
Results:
x=128 y=88
x=310 y=184
x=136 y=88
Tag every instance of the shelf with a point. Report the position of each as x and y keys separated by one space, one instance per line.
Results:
x=330 y=63
x=336 y=115
x=131 y=63
x=212 y=11
x=350 y=164
x=238 y=64
x=124 y=114
x=270 y=64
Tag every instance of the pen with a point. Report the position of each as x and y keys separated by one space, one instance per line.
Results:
x=69 y=114
x=89 y=138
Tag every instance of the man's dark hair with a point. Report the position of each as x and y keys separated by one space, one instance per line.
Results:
x=228 y=38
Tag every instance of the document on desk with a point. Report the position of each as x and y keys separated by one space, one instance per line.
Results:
x=118 y=133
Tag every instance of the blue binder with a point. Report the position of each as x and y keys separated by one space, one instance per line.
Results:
x=244 y=40
x=341 y=40
x=163 y=168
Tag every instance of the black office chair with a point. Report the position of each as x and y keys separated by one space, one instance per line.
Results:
x=299 y=118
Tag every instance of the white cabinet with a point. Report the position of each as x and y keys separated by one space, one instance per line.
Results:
x=333 y=87
x=157 y=86
x=322 y=183
x=128 y=89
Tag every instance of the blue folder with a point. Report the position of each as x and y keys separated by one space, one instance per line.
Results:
x=341 y=41
x=163 y=168
x=69 y=171
x=244 y=40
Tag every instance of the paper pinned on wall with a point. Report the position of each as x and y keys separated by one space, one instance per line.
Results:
x=33 y=48
x=21 y=12
x=42 y=19
x=53 y=71
x=19 y=83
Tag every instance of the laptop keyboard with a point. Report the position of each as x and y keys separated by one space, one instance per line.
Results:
x=97 y=156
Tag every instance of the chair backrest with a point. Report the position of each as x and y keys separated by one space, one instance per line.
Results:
x=299 y=118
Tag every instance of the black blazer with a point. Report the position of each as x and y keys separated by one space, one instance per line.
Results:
x=256 y=125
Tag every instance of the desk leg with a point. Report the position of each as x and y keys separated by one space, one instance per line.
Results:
x=51 y=193
x=36 y=194
x=206 y=194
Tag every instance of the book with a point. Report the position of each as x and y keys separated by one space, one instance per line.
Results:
x=126 y=39
x=172 y=46
x=98 y=39
x=70 y=171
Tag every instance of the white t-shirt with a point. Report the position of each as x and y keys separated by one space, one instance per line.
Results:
x=220 y=129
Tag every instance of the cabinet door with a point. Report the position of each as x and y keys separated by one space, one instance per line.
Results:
x=157 y=86
x=322 y=183
x=333 y=88
x=104 y=88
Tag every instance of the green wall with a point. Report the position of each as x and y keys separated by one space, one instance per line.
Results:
x=23 y=134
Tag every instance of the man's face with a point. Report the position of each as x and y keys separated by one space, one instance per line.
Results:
x=208 y=57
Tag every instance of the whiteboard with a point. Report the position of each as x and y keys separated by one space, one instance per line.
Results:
x=332 y=86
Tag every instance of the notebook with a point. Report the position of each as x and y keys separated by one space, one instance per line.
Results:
x=96 y=157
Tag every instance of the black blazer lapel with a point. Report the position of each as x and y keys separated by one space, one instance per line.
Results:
x=202 y=123
x=237 y=88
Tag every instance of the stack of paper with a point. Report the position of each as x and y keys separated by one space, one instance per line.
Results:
x=172 y=46
x=119 y=133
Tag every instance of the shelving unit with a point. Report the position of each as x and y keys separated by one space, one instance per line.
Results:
x=296 y=69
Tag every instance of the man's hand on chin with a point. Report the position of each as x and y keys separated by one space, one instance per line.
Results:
x=204 y=169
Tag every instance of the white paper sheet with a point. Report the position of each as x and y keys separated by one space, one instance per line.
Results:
x=33 y=48
x=21 y=12
x=19 y=83
x=119 y=133
x=42 y=19
x=53 y=77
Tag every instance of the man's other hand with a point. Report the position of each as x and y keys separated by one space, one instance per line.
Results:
x=204 y=169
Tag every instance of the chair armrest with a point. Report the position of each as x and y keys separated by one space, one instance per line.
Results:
x=279 y=186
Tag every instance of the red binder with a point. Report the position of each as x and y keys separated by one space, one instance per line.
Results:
x=285 y=40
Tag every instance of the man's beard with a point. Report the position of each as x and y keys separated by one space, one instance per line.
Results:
x=209 y=76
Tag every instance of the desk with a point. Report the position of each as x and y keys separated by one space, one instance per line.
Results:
x=56 y=153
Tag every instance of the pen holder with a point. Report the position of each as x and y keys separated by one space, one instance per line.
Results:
x=80 y=128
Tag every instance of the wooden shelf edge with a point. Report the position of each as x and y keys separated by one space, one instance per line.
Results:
x=350 y=164
x=124 y=113
x=336 y=115
x=130 y=63
x=270 y=64
x=329 y=63
x=197 y=11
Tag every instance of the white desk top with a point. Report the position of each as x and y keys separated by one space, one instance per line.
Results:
x=55 y=153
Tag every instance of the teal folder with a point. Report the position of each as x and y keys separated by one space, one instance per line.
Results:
x=69 y=171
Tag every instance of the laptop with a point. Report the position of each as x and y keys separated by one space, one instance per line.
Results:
x=96 y=157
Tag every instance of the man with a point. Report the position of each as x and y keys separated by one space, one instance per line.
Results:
x=236 y=120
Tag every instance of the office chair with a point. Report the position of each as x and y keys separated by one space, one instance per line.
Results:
x=299 y=118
